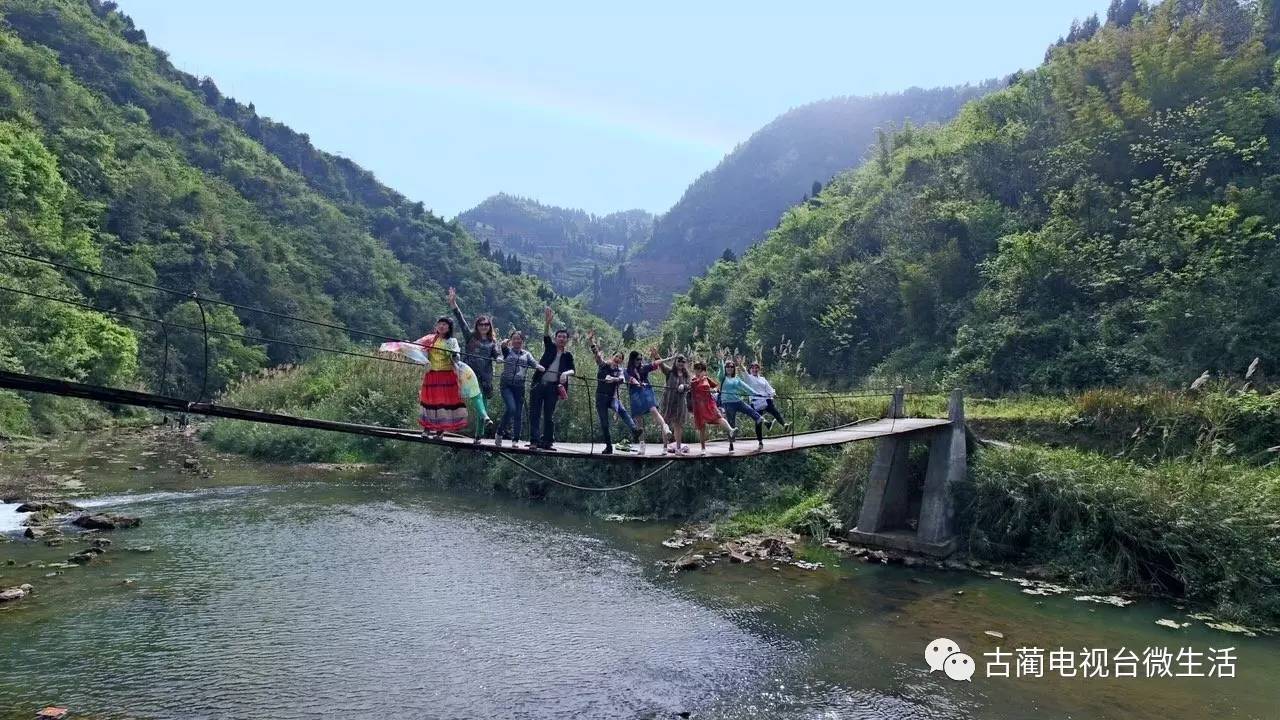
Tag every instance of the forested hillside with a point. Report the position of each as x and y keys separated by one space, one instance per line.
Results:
x=733 y=205
x=111 y=158
x=1109 y=218
x=567 y=248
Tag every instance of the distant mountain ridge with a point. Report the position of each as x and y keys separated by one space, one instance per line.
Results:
x=733 y=205
x=566 y=247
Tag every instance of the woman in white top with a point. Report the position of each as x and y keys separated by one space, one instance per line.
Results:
x=762 y=395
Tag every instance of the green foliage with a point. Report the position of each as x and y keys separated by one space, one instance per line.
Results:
x=1110 y=218
x=1201 y=530
x=111 y=158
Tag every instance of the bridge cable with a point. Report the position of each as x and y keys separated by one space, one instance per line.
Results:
x=557 y=481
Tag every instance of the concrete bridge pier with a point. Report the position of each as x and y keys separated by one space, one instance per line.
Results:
x=886 y=518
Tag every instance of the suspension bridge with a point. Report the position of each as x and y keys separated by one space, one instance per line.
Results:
x=896 y=512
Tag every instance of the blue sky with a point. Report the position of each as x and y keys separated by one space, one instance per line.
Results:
x=575 y=103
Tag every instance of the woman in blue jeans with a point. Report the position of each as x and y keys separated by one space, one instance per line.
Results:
x=516 y=365
x=736 y=396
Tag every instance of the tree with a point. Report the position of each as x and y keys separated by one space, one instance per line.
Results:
x=1122 y=12
x=628 y=335
x=1269 y=18
x=817 y=188
x=884 y=155
x=728 y=255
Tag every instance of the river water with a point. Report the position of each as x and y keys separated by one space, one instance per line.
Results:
x=294 y=592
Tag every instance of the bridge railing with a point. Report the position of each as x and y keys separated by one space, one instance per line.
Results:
x=198 y=350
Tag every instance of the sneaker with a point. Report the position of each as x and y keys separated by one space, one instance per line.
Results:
x=684 y=450
x=624 y=445
x=733 y=435
x=669 y=450
x=761 y=447
x=548 y=447
x=608 y=450
x=642 y=446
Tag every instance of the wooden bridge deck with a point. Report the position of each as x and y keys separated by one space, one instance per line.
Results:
x=745 y=446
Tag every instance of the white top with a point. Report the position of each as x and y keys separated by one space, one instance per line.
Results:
x=761 y=390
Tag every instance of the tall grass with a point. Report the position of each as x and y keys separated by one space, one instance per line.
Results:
x=1204 y=529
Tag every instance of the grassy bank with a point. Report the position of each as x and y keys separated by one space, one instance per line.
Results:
x=1156 y=492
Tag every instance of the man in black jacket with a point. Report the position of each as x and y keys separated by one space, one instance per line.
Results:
x=547 y=385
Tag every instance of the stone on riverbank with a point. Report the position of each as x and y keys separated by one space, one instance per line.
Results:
x=106 y=522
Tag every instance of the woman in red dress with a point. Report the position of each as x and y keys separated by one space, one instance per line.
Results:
x=705 y=410
x=440 y=397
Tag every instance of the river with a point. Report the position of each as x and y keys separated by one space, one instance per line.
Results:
x=298 y=592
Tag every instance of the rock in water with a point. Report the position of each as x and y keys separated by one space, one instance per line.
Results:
x=11 y=594
x=40 y=507
x=106 y=522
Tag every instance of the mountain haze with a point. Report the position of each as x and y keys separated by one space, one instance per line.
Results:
x=565 y=247
x=733 y=205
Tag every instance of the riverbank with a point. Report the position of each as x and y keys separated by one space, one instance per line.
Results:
x=1158 y=493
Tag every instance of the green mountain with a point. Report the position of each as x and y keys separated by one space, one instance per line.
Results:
x=736 y=203
x=1109 y=218
x=567 y=248
x=111 y=158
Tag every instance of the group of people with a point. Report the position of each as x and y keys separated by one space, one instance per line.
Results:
x=458 y=383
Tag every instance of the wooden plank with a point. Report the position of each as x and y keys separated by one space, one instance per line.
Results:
x=716 y=449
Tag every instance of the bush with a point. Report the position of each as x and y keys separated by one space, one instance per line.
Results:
x=1203 y=530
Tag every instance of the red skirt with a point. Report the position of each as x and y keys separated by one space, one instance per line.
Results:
x=441 y=401
x=705 y=410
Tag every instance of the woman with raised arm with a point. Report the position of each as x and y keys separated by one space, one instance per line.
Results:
x=705 y=410
x=762 y=395
x=736 y=397
x=516 y=365
x=440 y=397
x=609 y=376
x=675 y=398
x=643 y=402
x=481 y=345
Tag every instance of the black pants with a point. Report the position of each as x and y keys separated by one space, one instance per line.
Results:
x=542 y=407
x=772 y=409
